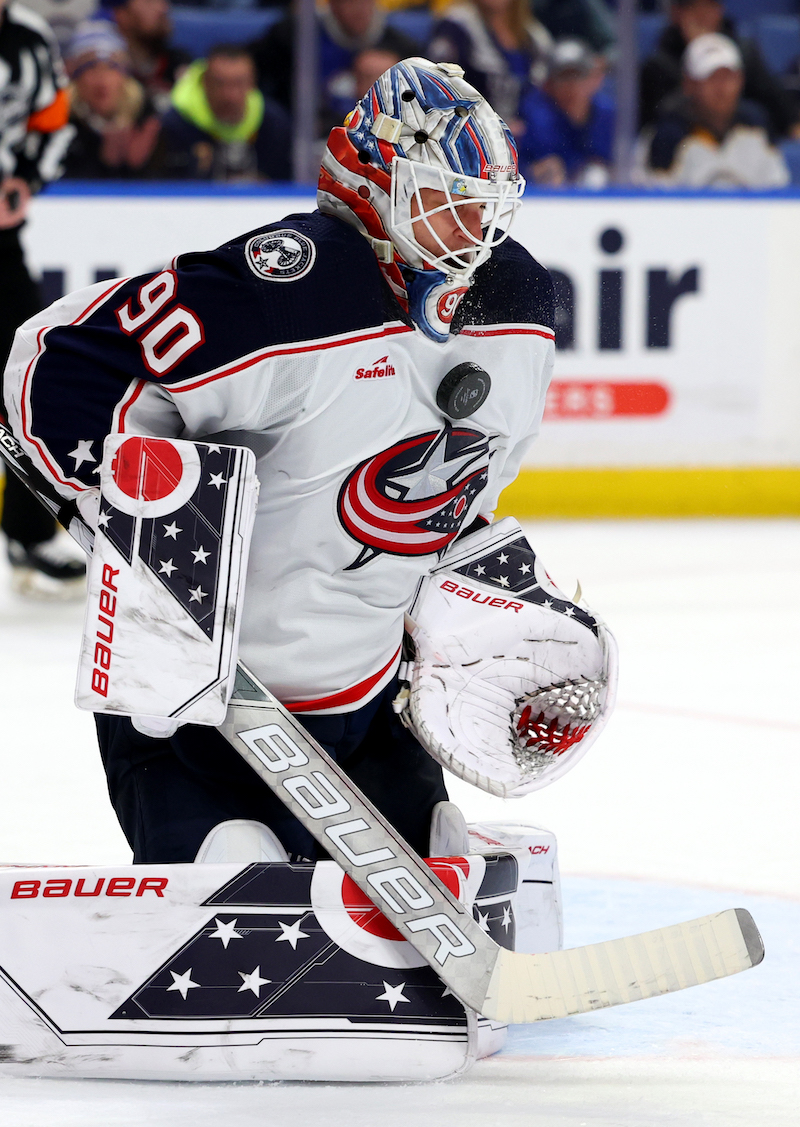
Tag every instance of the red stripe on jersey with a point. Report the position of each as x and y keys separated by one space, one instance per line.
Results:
x=29 y=376
x=347 y=696
x=142 y=384
x=508 y=332
x=288 y=350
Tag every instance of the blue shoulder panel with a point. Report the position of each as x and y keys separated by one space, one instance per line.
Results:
x=303 y=278
x=267 y=288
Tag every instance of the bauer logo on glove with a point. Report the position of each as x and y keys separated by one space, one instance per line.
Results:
x=510 y=681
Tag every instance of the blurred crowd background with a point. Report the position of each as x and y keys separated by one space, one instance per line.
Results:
x=698 y=94
x=161 y=90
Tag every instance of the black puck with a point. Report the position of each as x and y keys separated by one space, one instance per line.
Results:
x=463 y=390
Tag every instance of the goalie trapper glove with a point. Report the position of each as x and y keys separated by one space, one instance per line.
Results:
x=510 y=682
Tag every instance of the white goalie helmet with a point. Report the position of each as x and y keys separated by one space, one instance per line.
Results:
x=421 y=126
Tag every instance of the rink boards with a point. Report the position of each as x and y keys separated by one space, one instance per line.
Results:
x=674 y=389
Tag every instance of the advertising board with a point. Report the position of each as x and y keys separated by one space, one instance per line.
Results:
x=678 y=361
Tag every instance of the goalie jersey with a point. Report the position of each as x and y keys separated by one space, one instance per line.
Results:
x=287 y=340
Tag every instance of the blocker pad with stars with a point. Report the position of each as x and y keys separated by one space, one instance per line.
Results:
x=166 y=576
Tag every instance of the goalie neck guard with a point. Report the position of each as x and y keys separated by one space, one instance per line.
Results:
x=422 y=126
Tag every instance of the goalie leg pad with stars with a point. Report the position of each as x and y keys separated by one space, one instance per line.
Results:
x=245 y=969
x=166 y=580
x=510 y=681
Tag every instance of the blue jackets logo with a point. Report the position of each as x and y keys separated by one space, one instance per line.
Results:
x=411 y=500
x=280 y=256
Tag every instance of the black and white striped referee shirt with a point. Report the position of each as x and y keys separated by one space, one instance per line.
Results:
x=34 y=107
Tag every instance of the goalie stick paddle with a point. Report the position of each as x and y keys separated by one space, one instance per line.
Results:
x=503 y=985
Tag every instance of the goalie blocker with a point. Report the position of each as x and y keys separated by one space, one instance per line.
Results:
x=166 y=580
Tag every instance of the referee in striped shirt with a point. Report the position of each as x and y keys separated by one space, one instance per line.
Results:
x=34 y=136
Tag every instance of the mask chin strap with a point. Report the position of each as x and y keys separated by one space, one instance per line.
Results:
x=432 y=300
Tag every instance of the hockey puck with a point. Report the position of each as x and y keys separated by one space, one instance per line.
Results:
x=463 y=390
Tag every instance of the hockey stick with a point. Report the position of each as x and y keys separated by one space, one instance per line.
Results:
x=500 y=984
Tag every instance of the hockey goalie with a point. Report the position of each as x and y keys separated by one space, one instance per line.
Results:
x=285 y=455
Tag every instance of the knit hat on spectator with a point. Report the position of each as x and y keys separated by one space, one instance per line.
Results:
x=95 y=41
x=570 y=55
x=708 y=53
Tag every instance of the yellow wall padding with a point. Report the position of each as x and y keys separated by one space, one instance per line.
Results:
x=701 y=491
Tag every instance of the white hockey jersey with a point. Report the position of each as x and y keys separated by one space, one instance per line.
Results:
x=288 y=340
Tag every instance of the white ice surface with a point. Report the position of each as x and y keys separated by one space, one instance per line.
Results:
x=688 y=803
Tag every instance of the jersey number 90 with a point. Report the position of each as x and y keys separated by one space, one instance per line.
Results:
x=173 y=336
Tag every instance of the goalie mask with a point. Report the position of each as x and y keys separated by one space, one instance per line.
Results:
x=421 y=126
x=511 y=681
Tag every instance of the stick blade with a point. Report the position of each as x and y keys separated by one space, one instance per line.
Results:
x=526 y=988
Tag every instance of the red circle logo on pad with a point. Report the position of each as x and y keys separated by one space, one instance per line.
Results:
x=147 y=469
x=362 y=911
x=352 y=921
x=149 y=477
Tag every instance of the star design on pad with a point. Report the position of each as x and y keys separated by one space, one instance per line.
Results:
x=570 y=612
x=197 y=595
x=506 y=921
x=483 y=921
x=201 y=555
x=167 y=567
x=82 y=453
x=503 y=580
x=291 y=933
x=447 y=991
x=217 y=480
x=103 y=519
x=213 y=448
x=480 y=569
x=225 y=932
x=502 y=558
x=183 y=983
x=393 y=995
x=172 y=530
x=253 y=981
x=524 y=568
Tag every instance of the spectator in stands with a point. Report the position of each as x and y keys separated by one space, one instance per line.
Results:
x=146 y=28
x=221 y=127
x=368 y=66
x=707 y=135
x=63 y=16
x=591 y=21
x=346 y=28
x=569 y=125
x=117 y=130
x=500 y=45
x=346 y=87
x=662 y=73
